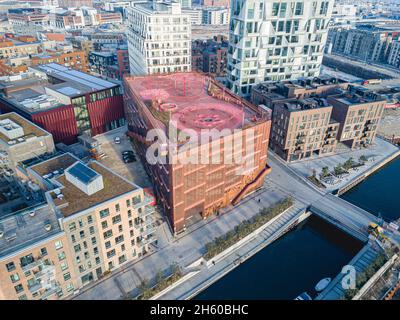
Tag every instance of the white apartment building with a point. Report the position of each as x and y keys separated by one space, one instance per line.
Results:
x=159 y=38
x=275 y=40
x=215 y=15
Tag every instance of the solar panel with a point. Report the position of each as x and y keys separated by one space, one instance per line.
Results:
x=83 y=173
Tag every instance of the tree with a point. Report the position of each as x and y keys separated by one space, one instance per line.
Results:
x=144 y=286
x=338 y=170
x=314 y=173
x=324 y=172
x=348 y=164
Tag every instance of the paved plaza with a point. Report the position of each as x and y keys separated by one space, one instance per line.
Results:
x=377 y=153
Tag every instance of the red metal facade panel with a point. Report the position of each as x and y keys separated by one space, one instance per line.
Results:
x=60 y=122
x=105 y=111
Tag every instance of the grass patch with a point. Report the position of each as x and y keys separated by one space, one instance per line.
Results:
x=245 y=228
x=316 y=182
x=363 y=277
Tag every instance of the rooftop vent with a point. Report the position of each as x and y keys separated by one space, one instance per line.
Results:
x=47 y=225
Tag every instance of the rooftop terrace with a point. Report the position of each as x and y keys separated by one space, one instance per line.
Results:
x=193 y=101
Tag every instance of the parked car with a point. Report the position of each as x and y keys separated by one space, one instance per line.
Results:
x=127 y=152
x=129 y=156
x=129 y=159
x=117 y=140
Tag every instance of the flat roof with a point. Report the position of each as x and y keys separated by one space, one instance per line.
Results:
x=307 y=104
x=75 y=200
x=193 y=100
x=66 y=74
x=29 y=128
x=21 y=229
x=57 y=163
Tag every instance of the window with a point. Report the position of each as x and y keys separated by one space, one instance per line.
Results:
x=82 y=234
x=299 y=9
x=22 y=297
x=108 y=244
x=77 y=248
x=61 y=256
x=95 y=251
x=43 y=252
x=128 y=203
x=104 y=213
x=111 y=253
x=70 y=287
x=94 y=241
x=120 y=228
x=67 y=276
x=107 y=234
x=116 y=219
x=72 y=226
x=64 y=266
x=10 y=266
x=275 y=9
x=122 y=259
x=28 y=259
x=73 y=238
x=91 y=230
x=58 y=245
x=119 y=239
x=117 y=207
x=14 y=277
x=89 y=219
x=19 y=288
x=104 y=224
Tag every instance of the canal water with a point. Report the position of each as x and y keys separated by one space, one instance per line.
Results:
x=379 y=194
x=312 y=251
x=289 y=266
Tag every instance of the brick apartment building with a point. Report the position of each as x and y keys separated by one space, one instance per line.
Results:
x=311 y=116
x=210 y=56
x=92 y=222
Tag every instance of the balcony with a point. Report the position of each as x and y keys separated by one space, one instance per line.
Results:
x=147 y=211
x=148 y=231
x=147 y=241
x=31 y=265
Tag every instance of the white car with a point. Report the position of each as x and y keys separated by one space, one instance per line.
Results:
x=117 y=140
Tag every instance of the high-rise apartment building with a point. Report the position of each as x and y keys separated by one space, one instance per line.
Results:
x=159 y=38
x=275 y=40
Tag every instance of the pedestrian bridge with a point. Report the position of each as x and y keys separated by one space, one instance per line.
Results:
x=344 y=215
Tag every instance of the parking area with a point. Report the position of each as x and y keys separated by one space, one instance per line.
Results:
x=371 y=156
x=133 y=171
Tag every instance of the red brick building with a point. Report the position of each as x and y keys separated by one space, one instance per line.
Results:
x=194 y=101
x=65 y=102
